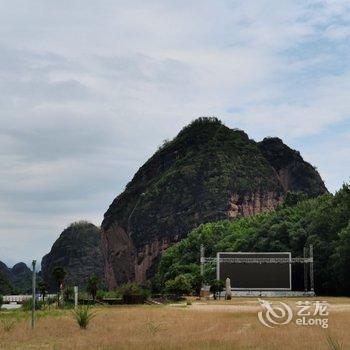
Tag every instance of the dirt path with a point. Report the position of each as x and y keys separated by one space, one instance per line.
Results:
x=225 y=308
x=254 y=308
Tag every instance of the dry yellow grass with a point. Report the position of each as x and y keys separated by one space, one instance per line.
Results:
x=165 y=327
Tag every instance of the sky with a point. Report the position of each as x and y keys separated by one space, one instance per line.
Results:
x=90 y=89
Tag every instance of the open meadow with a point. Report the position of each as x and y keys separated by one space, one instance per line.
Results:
x=202 y=325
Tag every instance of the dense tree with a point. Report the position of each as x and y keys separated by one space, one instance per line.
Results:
x=133 y=293
x=42 y=287
x=216 y=287
x=92 y=286
x=179 y=286
x=59 y=273
x=68 y=293
x=323 y=221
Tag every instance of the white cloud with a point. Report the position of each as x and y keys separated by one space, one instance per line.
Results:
x=89 y=89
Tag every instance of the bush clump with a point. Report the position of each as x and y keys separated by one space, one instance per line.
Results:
x=132 y=293
x=83 y=316
x=179 y=286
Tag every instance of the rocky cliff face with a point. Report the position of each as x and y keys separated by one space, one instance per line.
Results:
x=207 y=173
x=293 y=172
x=78 y=251
x=16 y=279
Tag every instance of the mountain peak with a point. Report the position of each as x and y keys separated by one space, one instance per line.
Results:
x=208 y=172
x=78 y=251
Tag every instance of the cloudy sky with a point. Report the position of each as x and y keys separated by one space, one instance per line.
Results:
x=89 y=89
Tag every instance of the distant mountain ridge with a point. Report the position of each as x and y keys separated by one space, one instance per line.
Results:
x=207 y=173
x=16 y=279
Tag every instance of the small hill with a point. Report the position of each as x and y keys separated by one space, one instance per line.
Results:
x=16 y=279
x=78 y=251
x=207 y=173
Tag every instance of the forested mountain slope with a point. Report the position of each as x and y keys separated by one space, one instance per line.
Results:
x=207 y=173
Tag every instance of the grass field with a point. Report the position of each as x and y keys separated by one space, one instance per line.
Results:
x=202 y=325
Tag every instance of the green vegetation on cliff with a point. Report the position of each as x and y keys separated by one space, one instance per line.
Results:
x=208 y=172
x=189 y=179
x=323 y=221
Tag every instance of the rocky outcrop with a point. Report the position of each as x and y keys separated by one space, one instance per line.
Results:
x=16 y=279
x=252 y=204
x=207 y=173
x=78 y=251
x=293 y=172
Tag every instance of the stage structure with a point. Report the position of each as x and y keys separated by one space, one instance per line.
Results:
x=261 y=271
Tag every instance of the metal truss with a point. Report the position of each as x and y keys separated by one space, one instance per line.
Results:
x=257 y=260
x=307 y=260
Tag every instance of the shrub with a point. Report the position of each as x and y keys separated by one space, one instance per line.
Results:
x=28 y=304
x=333 y=343
x=68 y=294
x=216 y=287
x=179 y=286
x=153 y=327
x=1 y=300
x=83 y=316
x=51 y=300
x=42 y=287
x=92 y=286
x=100 y=294
x=133 y=293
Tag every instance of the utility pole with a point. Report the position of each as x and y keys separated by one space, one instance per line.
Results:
x=305 y=270
x=33 y=293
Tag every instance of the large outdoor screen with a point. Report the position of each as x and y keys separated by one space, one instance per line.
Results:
x=255 y=276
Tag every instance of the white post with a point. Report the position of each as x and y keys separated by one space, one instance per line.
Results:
x=75 y=297
x=228 y=293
